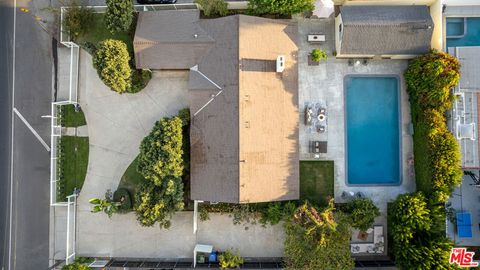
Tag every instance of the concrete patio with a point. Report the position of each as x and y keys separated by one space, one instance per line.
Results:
x=324 y=84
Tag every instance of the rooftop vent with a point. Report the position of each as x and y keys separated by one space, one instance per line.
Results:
x=280 y=63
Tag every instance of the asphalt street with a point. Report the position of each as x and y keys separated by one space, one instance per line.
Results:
x=25 y=245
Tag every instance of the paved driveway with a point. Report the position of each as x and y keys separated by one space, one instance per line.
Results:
x=116 y=126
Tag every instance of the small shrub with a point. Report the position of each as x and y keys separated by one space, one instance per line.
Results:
x=119 y=15
x=276 y=212
x=123 y=197
x=203 y=213
x=362 y=213
x=230 y=259
x=213 y=8
x=111 y=60
x=89 y=47
x=107 y=205
x=318 y=55
x=140 y=79
x=279 y=7
x=75 y=266
x=76 y=21
x=184 y=115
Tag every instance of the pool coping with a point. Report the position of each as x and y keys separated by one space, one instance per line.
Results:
x=400 y=129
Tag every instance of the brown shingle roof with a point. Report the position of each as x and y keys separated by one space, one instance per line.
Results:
x=244 y=129
x=169 y=39
x=245 y=141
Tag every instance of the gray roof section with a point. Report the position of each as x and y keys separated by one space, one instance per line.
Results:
x=215 y=129
x=386 y=30
x=170 y=39
x=469 y=58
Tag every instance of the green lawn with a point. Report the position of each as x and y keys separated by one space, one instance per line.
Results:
x=131 y=179
x=73 y=164
x=98 y=32
x=71 y=118
x=316 y=181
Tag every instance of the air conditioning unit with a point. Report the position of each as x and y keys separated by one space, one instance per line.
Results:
x=280 y=63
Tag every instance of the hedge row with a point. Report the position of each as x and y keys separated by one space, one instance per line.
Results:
x=429 y=80
x=417 y=221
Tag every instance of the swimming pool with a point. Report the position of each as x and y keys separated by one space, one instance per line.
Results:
x=463 y=31
x=372 y=130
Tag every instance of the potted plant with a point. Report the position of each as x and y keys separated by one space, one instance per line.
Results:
x=318 y=55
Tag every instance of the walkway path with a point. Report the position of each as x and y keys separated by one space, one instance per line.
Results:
x=81 y=131
x=116 y=126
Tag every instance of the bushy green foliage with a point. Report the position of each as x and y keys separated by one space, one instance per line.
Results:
x=279 y=7
x=122 y=196
x=270 y=213
x=409 y=214
x=140 y=79
x=161 y=163
x=76 y=266
x=111 y=60
x=362 y=213
x=77 y=19
x=119 y=15
x=161 y=151
x=318 y=55
x=230 y=259
x=276 y=212
x=157 y=203
x=213 y=8
x=318 y=239
x=107 y=205
x=429 y=80
x=417 y=244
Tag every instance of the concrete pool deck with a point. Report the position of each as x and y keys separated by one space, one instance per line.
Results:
x=324 y=84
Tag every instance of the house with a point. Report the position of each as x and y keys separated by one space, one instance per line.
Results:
x=244 y=114
x=400 y=32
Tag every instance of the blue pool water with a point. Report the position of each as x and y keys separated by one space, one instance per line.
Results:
x=470 y=32
x=372 y=130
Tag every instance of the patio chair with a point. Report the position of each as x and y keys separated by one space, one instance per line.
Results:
x=308 y=115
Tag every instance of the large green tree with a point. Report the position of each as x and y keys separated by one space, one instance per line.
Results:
x=111 y=60
x=417 y=244
x=161 y=152
x=318 y=239
x=161 y=163
x=279 y=7
x=119 y=15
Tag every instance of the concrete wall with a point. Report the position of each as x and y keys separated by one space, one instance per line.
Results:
x=436 y=13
